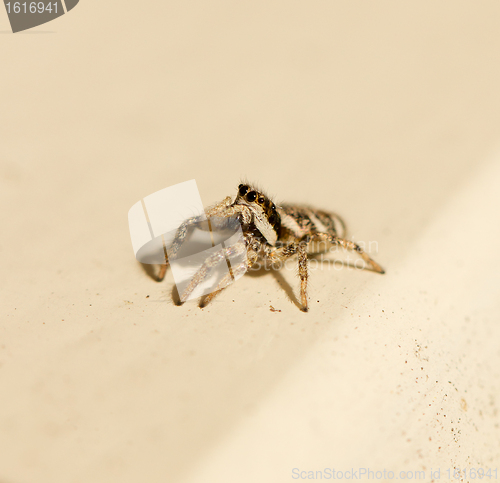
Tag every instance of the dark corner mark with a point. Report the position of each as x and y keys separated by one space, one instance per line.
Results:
x=26 y=14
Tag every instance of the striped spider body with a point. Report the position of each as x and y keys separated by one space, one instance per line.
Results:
x=271 y=235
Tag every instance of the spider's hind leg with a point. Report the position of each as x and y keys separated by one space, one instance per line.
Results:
x=349 y=245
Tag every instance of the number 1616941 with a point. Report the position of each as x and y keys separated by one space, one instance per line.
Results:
x=472 y=473
x=31 y=7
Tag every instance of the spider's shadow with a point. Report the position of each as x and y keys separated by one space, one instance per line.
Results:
x=283 y=283
x=176 y=299
x=278 y=276
x=152 y=271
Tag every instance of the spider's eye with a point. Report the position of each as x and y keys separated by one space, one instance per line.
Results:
x=242 y=189
x=261 y=199
x=274 y=207
x=252 y=196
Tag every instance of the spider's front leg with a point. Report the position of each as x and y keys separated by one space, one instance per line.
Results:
x=211 y=262
x=234 y=273
x=278 y=255
x=185 y=228
x=162 y=272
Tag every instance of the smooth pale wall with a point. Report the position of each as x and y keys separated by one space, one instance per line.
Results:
x=387 y=112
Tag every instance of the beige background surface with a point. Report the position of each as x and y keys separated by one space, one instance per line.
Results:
x=387 y=112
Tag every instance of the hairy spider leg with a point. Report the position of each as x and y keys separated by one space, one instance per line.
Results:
x=187 y=226
x=240 y=269
x=211 y=262
x=349 y=245
x=278 y=255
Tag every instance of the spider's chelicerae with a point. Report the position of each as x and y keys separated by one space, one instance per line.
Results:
x=271 y=234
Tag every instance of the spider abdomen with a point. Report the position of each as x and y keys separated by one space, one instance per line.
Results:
x=300 y=221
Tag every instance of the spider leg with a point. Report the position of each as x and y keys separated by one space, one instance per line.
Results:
x=303 y=274
x=211 y=262
x=240 y=269
x=162 y=272
x=185 y=228
x=349 y=245
x=278 y=255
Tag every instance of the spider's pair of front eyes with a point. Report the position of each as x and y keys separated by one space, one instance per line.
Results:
x=251 y=196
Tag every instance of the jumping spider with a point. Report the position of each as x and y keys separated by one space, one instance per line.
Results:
x=271 y=234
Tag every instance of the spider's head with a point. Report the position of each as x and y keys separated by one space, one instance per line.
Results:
x=265 y=215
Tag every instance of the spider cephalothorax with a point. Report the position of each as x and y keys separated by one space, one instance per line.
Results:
x=270 y=234
x=265 y=215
